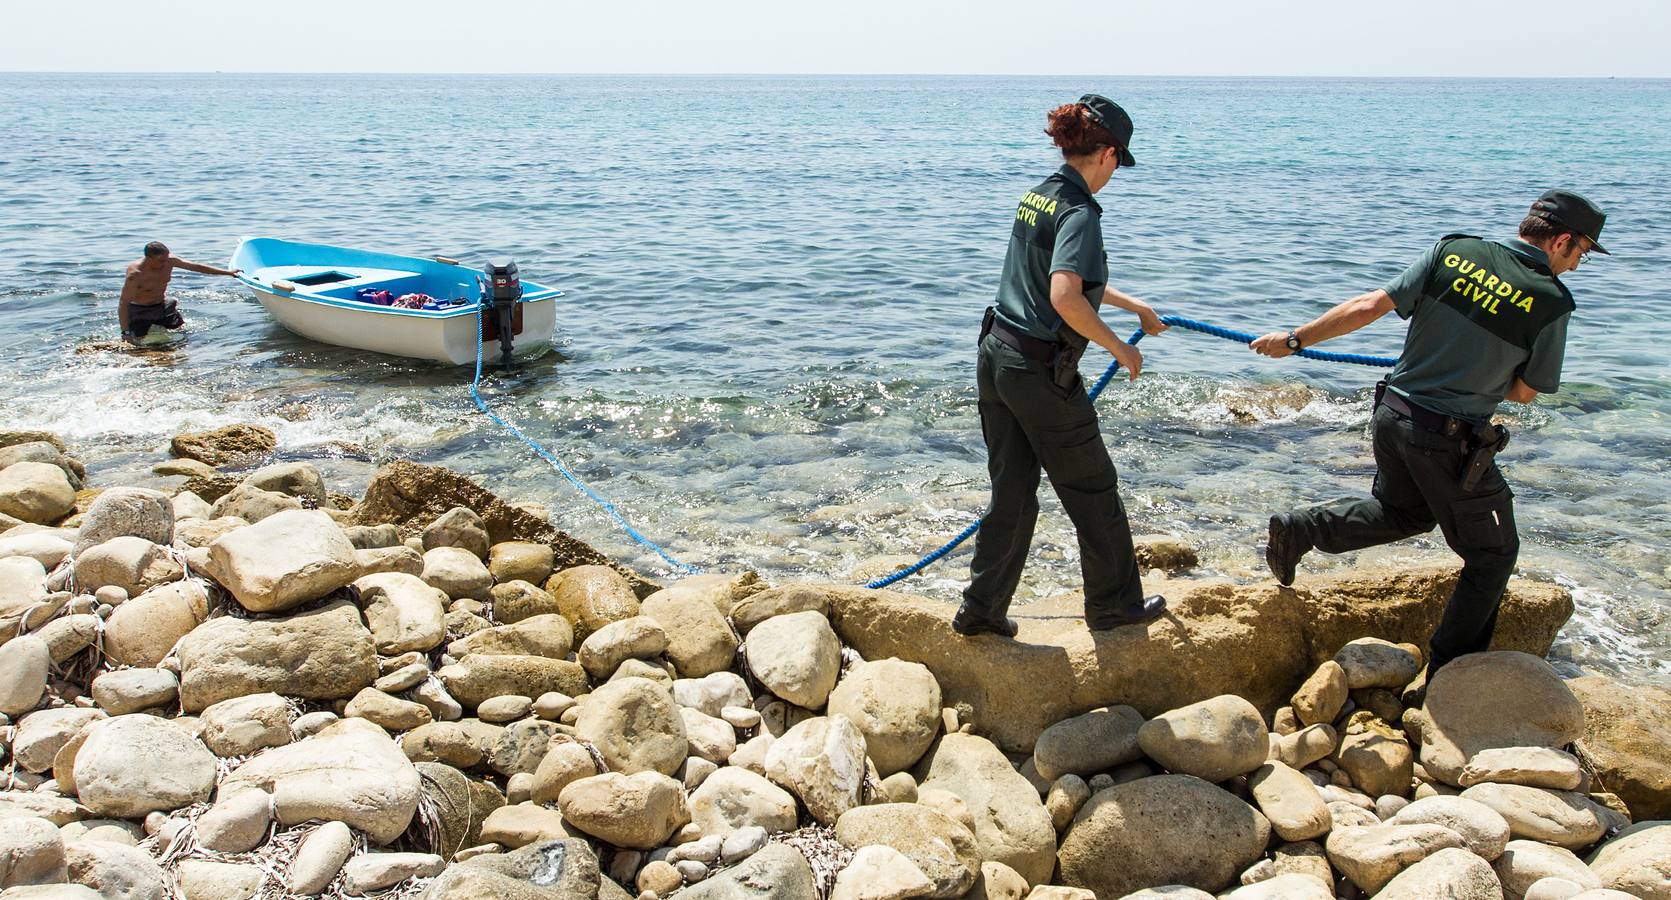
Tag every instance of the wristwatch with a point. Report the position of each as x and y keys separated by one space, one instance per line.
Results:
x=1294 y=340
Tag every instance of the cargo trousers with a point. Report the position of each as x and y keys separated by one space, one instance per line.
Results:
x=1417 y=487
x=1030 y=423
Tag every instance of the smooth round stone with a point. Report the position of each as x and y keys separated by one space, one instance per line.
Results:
x=504 y=709
x=551 y=705
x=740 y=716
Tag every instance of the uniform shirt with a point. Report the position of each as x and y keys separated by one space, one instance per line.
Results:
x=1057 y=228
x=1482 y=313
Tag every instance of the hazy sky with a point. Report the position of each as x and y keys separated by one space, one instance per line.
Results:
x=1090 y=37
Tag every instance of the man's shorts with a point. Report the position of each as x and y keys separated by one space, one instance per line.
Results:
x=141 y=318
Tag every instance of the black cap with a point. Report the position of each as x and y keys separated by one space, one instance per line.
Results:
x=1570 y=211
x=1114 y=120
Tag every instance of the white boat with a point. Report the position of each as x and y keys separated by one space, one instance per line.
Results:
x=332 y=295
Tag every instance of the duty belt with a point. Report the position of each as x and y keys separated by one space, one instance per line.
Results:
x=1481 y=442
x=1025 y=344
x=1449 y=426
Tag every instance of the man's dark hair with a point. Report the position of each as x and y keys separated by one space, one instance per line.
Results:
x=156 y=248
x=1535 y=229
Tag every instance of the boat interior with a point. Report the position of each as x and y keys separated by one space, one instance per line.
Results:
x=344 y=274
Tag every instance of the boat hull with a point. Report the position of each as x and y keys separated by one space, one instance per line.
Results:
x=451 y=339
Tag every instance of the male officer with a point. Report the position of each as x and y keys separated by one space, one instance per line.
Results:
x=1488 y=323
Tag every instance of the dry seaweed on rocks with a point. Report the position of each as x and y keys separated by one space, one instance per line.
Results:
x=823 y=853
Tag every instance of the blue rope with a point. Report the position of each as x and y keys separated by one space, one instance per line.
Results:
x=475 y=394
x=1240 y=337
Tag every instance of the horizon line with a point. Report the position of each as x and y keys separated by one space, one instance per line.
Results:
x=1383 y=76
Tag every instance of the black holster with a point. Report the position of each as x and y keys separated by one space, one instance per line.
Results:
x=1064 y=362
x=1483 y=446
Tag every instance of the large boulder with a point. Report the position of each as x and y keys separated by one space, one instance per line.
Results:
x=143 y=630
x=700 y=641
x=350 y=771
x=321 y=654
x=796 y=656
x=1258 y=641
x=402 y=612
x=132 y=765
x=1450 y=873
x=1011 y=823
x=36 y=492
x=31 y=852
x=557 y=869
x=283 y=561
x=1627 y=742
x=116 y=871
x=1563 y=818
x=591 y=597
x=778 y=872
x=821 y=761
x=1488 y=700
x=734 y=797
x=1166 y=829
x=896 y=705
x=635 y=726
x=1086 y=744
x=1637 y=862
x=231 y=445
x=639 y=811
x=461 y=805
x=126 y=512
x=941 y=847
x=1370 y=856
x=410 y=496
x=1213 y=740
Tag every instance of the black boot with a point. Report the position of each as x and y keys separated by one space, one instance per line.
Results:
x=968 y=622
x=1284 y=546
x=1152 y=608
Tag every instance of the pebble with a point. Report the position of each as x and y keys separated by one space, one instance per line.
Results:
x=504 y=709
x=404 y=678
x=691 y=870
x=551 y=705
x=659 y=877
x=740 y=717
x=742 y=843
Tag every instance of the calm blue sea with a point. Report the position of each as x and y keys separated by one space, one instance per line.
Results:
x=765 y=356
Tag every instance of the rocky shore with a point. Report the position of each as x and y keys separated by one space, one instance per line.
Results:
x=251 y=686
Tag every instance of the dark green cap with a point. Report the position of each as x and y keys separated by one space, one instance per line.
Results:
x=1114 y=120
x=1570 y=211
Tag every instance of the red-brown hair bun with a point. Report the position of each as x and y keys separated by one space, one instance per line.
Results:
x=1074 y=130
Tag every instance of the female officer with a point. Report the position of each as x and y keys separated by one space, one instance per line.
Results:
x=1034 y=409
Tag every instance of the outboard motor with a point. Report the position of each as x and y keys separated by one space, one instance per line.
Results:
x=501 y=290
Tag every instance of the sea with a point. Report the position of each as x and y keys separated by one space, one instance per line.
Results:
x=765 y=352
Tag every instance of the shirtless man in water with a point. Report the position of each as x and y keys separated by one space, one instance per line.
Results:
x=143 y=303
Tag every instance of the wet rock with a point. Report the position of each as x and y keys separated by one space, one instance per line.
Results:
x=640 y=811
x=351 y=771
x=1168 y=553
x=1371 y=856
x=242 y=725
x=1168 y=829
x=635 y=726
x=321 y=654
x=1563 y=818
x=24 y=665
x=821 y=761
x=796 y=656
x=1483 y=830
x=131 y=765
x=130 y=563
x=591 y=597
x=36 y=492
x=896 y=705
x=457 y=572
x=283 y=561
x=1090 y=743
x=1290 y=802
x=520 y=561
x=640 y=637
x=1010 y=823
x=458 y=527
x=700 y=640
x=1213 y=740
x=142 y=631
x=1627 y=742
x=733 y=798
x=941 y=849
x=549 y=636
x=1489 y=700
x=514 y=601
x=232 y=445
x=779 y=601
